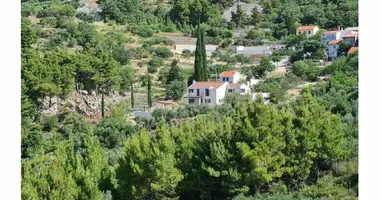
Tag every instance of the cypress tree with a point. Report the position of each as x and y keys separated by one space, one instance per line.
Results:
x=149 y=92
x=132 y=97
x=198 y=57
x=204 y=75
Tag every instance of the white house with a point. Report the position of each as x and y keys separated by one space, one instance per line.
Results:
x=332 y=49
x=310 y=31
x=211 y=93
x=328 y=36
x=230 y=76
x=240 y=88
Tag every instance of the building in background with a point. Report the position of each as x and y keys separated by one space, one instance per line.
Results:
x=310 y=31
x=230 y=77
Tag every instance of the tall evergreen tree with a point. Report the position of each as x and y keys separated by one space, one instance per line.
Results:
x=200 y=72
x=149 y=92
x=132 y=97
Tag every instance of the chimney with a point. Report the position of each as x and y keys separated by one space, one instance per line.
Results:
x=193 y=81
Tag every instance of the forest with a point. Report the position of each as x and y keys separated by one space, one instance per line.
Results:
x=305 y=148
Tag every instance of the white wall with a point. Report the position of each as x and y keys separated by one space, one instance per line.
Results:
x=191 y=47
x=220 y=93
x=311 y=34
x=332 y=50
x=325 y=39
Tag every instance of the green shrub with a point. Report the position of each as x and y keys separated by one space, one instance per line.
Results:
x=163 y=52
x=142 y=31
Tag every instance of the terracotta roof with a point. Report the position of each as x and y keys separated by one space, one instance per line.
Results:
x=305 y=28
x=330 y=32
x=352 y=50
x=233 y=85
x=228 y=74
x=351 y=35
x=207 y=84
x=335 y=41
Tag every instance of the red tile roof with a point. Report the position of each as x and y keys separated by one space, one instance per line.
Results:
x=228 y=74
x=305 y=28
x=330 y=32
x=207 y=84
x=351 y=35
x=233 y=85
x=335 y=41
x=352 y=50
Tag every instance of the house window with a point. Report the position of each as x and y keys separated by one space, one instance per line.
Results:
x=309 y=32
x=191 y=90
x=230 y=90
x=207 y=100
x=207 y=91
x=191 y=100
x=242 y=91
x=197 y=92
x=224 y=79
x=220 y=100
x=227 y=79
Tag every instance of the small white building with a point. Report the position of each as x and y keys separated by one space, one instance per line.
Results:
x=230 y=76
x=211 y=93
x=239 y=88
x=237 y=48
x=332 y=49
x=310 y=31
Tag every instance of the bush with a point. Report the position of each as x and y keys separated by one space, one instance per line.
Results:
x=158 y=40
x=142 y=31
x=306 y=70
x=243 y=59
x=186 y=53
x=49 y=22
x=175 y=90
x=163 y=52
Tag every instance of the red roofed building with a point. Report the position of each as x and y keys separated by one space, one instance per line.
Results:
x=332 y=49
x=351 y=38
x=210 y=93
x=352 y=50
x=310 y=31
x=240 y=88
x=230 y=76
x=328 y=36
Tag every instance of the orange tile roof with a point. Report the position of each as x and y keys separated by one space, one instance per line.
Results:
x=305 y=28
x=351 y=35
x=234 y=85
x=330 y=32
x=228 y=74
x=207 y=84
x=352 y=50
x=335 y=41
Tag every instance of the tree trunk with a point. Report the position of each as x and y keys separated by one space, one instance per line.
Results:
x=132 y=97
x=102 y=104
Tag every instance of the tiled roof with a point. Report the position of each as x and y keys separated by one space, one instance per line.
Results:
x=234 y=85
x=351 y=35
x=352 y=50
x=330 y=32
x=305 y=28
x=335 y=41
x=228 y=74
x=207 y=84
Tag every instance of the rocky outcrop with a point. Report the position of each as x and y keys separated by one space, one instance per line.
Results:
x=83 y=102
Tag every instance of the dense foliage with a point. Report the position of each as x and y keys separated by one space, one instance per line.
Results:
x=301 y=149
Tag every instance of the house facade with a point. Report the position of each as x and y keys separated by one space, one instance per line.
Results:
x=351 y=38
x=328 y=36
x=239 y=88
x=332 y=49
x=309 y=31
x=210 y=93
x=230 y=76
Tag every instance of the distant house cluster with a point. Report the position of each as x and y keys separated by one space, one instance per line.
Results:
x=333 y=38
x=213 y=93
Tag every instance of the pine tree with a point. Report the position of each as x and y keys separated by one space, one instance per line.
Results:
x=102 y=104
x=255 y=16
x=149 y=92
